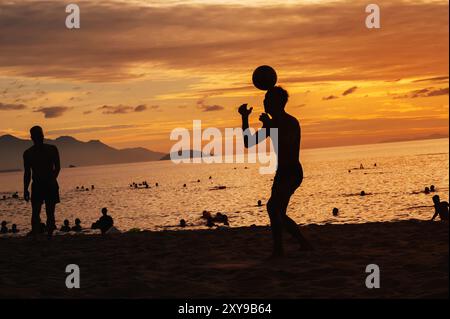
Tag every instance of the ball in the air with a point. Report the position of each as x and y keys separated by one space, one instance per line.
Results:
x=264 y=77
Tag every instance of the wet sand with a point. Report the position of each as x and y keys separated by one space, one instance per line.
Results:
x=230 y=263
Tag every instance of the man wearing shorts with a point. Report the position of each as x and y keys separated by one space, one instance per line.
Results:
x=42 y=165
x=289 y=173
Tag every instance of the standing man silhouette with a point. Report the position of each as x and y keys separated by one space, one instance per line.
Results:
x=41 y=163
x=289 y=174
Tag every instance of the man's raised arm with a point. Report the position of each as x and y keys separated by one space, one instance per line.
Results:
x=257 y=137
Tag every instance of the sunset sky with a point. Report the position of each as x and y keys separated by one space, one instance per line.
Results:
x=138 y=69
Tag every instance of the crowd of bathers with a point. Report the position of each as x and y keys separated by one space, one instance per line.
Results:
x=4 y=228
x=104 y=224
x=143 y=184
x=84 y=189
x=14 y=195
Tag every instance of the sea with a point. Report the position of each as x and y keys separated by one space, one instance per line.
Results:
x=393 y=176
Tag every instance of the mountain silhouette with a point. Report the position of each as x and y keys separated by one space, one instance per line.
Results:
x=73 y=152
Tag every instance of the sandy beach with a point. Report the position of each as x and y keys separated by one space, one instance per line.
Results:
x=230 y=263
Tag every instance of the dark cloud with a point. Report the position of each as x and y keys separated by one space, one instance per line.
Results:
x=140 y=108
x=426 y=92
x=11 y=107
x=211 y=108
x=434 y=79
x=330 y=97
x=331 y=39
x=349 y=91
x=122 y=109
x=437 y=92
x=119 y=109
x=207 y=107
x=52 y=111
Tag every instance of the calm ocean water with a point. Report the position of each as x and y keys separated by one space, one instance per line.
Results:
x=403 y=170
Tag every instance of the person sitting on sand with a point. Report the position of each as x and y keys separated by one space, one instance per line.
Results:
x=77 y=228
x=432 y=188
x=206 y=214
x=259 y=203
x=14 y=229
x=65 y=228
x=221 y=218
x=104 y=223
x=225 y=220
x=4 y=229
x=426 y=190
x=210 y=222
x=440 y=208
x=182 y=223
x=335 y=211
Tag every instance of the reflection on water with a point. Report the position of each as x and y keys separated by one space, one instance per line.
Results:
x=392 y=189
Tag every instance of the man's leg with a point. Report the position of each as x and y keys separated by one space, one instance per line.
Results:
x=291 y=226
x=36 y=217
x=50 y=210
x=293 y=229
x=276 y=224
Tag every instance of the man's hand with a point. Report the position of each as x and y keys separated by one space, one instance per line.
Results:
x=244 y=111
x=265 y=119
x=26 y=195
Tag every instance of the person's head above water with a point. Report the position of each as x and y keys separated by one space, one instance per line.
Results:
x=104 y=211
x=37 y=135
x=436 y=199
x=275 y=100
x=66 y=222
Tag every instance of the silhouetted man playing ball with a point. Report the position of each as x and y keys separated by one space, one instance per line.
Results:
x=41 y=163
x=289 y=173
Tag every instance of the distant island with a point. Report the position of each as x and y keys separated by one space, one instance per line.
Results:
x=192 y=154
x=73 y=153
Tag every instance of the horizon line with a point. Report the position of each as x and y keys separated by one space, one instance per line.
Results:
x=304 y=148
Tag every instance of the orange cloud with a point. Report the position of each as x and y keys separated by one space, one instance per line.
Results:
x=316 y=41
